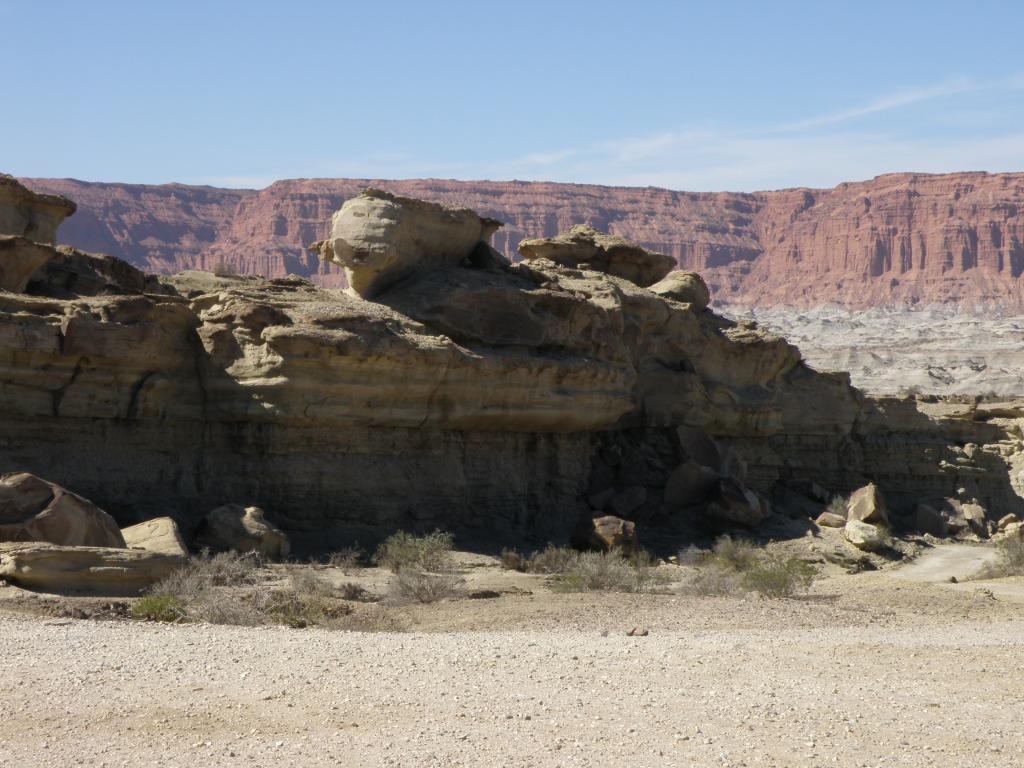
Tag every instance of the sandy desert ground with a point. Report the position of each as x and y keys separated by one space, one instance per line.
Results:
x=896 y=667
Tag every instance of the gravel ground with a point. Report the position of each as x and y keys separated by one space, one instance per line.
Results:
x=120 y=693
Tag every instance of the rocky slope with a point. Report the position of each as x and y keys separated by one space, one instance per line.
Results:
x=900 y=239
x=498 y=400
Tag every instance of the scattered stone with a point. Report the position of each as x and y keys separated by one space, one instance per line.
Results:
x=867 y=505
x=587 y=248
x=1006 y=521
x=638 y=632
x=242 y=529
x=830 y=520
x=33 y=509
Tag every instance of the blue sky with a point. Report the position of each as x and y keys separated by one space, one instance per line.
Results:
x=685 y=95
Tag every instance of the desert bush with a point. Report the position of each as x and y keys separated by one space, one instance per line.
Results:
x=609 y=572
x=512 y=560
x=1010 y=561
x=775 y=576
x=158 y=608
x=401 y=551
x=350 y=591
x=733 y=567
x=838 y=506
x=408 y=584
x=735 y=553
x=348 y=559
x=552 y=559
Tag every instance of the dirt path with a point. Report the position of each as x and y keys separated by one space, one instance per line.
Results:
x=960 y=561
x=109 y=694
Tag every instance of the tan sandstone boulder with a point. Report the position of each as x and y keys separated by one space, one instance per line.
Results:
x=686 y=287
x=242 y=529
x=607 y=534
x=867 y=505
x=830 y=520
x=380 y=238
x=1006 y=521
x=31 y=215
x=32 y=509
x=160 y=535
x=866 y=536
x=585 y=247
x=96 y=570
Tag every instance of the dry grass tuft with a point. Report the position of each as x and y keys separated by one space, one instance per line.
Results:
x=429 y=553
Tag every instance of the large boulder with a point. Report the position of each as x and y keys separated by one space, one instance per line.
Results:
x=160 y=535
x=242 y=529
x=830 y=520
x=32 y=509
x=31 y=215
x=587 y=248
x=867 y=505
x=865 y=536
x=686 y=287
x=95 y=570
x=607 y=534
x=379 y=238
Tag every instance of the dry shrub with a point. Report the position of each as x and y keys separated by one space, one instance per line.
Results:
x=733 y=567
x=609 y=572
x=408 y=584
x=351 y=591
x=552 y=559
x=838 y=506
x=406 y=551
x=512 y=560
x=348 y=559
x=1010 y=562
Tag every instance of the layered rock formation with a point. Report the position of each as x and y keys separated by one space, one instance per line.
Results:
x=497 y=400
x=905 y=239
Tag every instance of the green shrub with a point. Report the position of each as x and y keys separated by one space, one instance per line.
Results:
x=777 y=576
x=735 y=553
x=158 y=608
x=402 y=550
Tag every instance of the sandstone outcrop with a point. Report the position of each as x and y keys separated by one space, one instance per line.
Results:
x=160 y=535
x=379 y=238
x=586 y=248
x=94 y=570
x=607 y=534
x=242 y=529
x=499 y=401
x=866 y=536
x=899 y=239
x=867 y=505
x=32 y=509
x=687 y=287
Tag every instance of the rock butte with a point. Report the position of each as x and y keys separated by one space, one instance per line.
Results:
x=501 y=401
x=899 y=239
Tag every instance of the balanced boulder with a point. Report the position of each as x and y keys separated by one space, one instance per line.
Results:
x=379 y=238
x=242 y=529
x=33 y=509
x=587 y=248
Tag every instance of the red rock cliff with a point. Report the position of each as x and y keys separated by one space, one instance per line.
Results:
x=898 y=239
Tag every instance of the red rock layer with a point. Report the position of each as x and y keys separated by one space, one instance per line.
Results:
x=898 y=239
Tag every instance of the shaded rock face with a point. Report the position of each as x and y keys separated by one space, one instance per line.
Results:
x=32 y=509
x=897 y=239
x=489 y=399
